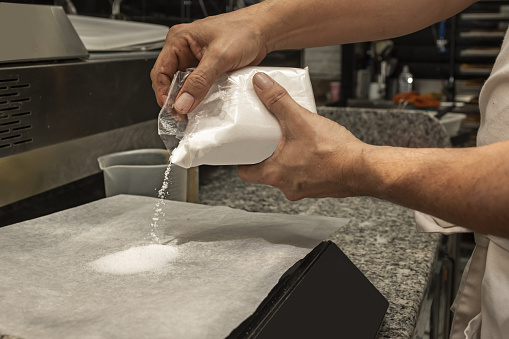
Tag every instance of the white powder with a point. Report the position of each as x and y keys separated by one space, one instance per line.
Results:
x=149 y=258
x=232 y=126
x=158 y=210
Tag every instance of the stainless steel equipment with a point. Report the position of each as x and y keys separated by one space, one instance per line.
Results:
x=33 y=33
x=60 y=111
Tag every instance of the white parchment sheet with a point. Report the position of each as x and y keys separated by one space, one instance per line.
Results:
x=228 y=261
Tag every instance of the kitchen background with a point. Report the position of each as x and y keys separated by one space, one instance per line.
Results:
x=449 y=61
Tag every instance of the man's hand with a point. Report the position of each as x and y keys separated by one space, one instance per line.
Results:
x=214 y=45
x=314 y=157
x=318 y=158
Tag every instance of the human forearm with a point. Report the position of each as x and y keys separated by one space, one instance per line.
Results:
x=468 y=187
x=317 y=158
x=303 y=23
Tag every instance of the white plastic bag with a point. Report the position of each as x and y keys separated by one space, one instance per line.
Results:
x=232 y=126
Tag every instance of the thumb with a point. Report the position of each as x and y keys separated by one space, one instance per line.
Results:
x=197 y=85
x=274 y=96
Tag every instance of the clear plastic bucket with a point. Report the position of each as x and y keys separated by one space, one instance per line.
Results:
x=141 y=172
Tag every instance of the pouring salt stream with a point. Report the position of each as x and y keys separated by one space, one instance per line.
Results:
x=230 y=126
x=226 y=263
x=158 y=211
x=147 y=258
x=152 y=257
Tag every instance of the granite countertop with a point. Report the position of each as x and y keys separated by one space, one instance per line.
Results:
x=380 y=239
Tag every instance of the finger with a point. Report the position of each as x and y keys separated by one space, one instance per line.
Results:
x=274 y=96
x=175 y=55
x=198 y=83
x=162 y=73
x=161 y=91
x=160 y=84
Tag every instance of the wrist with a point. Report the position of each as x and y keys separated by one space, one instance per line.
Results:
x=348 y=170
x=369 y=171
x=265 y=19
x=254 y=20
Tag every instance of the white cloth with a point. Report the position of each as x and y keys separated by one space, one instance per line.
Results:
x=481 y=308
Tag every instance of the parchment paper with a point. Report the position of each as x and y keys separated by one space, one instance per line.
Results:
x=229 y=261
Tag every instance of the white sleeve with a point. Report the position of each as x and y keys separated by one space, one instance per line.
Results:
x=430 y=224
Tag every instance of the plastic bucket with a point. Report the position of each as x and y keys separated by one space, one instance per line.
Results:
x=141 y=172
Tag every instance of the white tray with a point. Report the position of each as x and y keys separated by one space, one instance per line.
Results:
x=99 y=34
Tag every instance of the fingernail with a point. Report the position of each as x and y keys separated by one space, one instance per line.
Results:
x=262 y=81
x=184 y=103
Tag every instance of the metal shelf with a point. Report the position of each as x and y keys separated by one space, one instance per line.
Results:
x=475 y=71
x=483 y=34
x=484 y=16
x=480 y=52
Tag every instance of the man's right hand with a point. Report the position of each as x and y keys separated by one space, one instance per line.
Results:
x=213 y=45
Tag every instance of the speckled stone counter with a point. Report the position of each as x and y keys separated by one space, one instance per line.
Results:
x=390 y=127
x=380 y=239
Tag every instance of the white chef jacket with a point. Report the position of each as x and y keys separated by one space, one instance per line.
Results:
x=481 y=308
